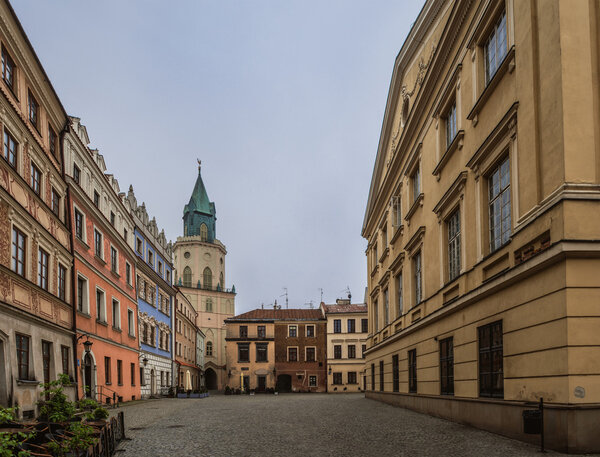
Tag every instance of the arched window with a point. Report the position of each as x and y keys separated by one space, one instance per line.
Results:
x=221 y=281
x=209 y=305
x=187 y=277
x=207 y=276
x=203 y=232
x=209 y=349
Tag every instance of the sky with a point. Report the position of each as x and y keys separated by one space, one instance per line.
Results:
x=282 y=101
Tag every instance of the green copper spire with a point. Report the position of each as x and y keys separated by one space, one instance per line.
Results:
x=199 y=215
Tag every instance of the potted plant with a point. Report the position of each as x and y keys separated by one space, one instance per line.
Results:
x=56 y=409
x=97 y=417
x=79 y=437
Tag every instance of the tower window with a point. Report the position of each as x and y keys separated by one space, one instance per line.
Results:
x=203 y=232
x=207 y=277
x=187 y=277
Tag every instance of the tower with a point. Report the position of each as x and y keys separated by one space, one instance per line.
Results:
x=199 y=260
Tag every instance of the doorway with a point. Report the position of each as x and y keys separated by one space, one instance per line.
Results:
x=262 y=384
x=284 y=383
x=211 y=379
x=246 y=383
x=152 y=383
x=87 y=376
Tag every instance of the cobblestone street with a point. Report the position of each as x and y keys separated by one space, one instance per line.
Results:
x=300 y=425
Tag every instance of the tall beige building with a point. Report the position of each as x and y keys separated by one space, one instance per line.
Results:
x=199 y=261
x=483 y=219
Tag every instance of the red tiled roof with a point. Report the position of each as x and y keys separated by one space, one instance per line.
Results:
x=353 y=308
x=281 y=314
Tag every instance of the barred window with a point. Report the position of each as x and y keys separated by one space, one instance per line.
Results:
x=454 y=245
x=491 y=361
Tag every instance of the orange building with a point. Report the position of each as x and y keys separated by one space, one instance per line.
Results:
x=104 y=262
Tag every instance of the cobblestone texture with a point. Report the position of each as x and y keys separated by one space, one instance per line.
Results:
x=300 y=425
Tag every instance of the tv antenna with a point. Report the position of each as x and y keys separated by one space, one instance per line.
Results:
x=321 y=290
x=286 y=297
x=347 y=291
x=310 y=304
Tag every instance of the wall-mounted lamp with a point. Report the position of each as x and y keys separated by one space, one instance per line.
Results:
x=145 y=361
x=87 y=345
x=229 y=374
x=329 y=372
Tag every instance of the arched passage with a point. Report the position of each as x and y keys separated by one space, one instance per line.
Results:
x=211 y=379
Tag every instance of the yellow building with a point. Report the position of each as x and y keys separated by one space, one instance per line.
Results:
x=347 y=327
x=483 y=219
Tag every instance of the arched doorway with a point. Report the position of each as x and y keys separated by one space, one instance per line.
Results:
x=211 y=379
x=284 y=383
x=88 y=378
x=152 y=383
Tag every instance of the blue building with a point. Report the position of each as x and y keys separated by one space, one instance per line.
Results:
x=156 y=297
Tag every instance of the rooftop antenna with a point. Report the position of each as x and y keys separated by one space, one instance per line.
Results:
x=310 y=304
x=321 y=290
x=286 y=297
x=349 y=293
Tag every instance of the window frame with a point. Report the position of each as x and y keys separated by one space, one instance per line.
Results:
x=489 y=73
x=35 y=179
x=19 y=252
x=491 y=200
x=489 y=391
x=313 y=350
x=446 y=348
x=23 y=356
x=65 y=358
x=337 y=351
x=107 y=371
x=337 y=379
x=98 y=244
x=10 y=154
x=101 y=306
x=43 y=268
x=33 y=110
x=312 y=332
x=243 y=347
x=395 y=373
x=8 y=61
x=412 y=371
x=116 y=318
x=62 y=282
x=293 y=327
x=381 y=376
x=337 y=326
x=260 y=347
x=351 y=325
x=454 y=248
x=289 y=351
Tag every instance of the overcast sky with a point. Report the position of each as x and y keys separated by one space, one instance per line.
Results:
x=281 y=100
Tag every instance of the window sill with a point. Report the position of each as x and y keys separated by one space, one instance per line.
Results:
x=28 y=382
x=108 y=383
x=84 y=314
x=131 y=336
x=508 y=64
x=80 y=240
x=98 y=321
x=399 y=230
x=116 y=329
x=100 y=259
x=384 y=254
x=375 y=270
x=457 y=143
x=416 y=204
x=115 y=274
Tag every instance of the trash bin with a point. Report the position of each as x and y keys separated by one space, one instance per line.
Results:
x=532 y=421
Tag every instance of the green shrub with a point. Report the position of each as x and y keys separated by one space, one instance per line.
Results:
x=57 y=407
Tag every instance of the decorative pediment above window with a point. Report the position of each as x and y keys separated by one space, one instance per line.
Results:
x=415 y=241
x=413 y=161
x=456 y=191
x=397 y=263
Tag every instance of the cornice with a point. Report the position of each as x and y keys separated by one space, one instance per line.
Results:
x=415 y=240
x=455 y=189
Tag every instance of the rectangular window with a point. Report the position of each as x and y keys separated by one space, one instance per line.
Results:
x=364 y=349
x=418 y=278
x=376 y=315
x=131 y=322
x=10 y=149
x=142 y=377
x=399 y=301
x=125 y=235
x=337 y=326
x=261 y=331
x=416 y=183
x=450 y=121
x=499 y=193
x=112 y=218
x=52 y=141
x=55 y=202
x=447 y=367
x=46 y=360
x=150 y=258
x=107 y=370
x=381 y=376
x=34 y=110
x=395 y=374
x=64 y=356
x=412 y=371
x=36 y=179
x=337 y=351
x=337 y=378
x=351 y=351
x=62 y=282
x=310 y=331
x=372 y=376
x=496 y=48
x=243 y=352
x=396 y=211
x=76 y=174
x=292 y=354
x=132 y=373
x=8 y=70
x=22 y=355
x=351 y=326
x=160 y=267
x=386 y=307
x=78 y=225
x=96 y=199
x=113 y=260
x=98 y=243
x=243 y=331
x=261 y=352
x=116 y=314
x=43 y=269
x=120 y=372
x=81 y=295
x=453 y=225
x=384 y=237
x=310 y=354
x=292 y=331
x=491 y=362
x=100 y=306
x=312 y=381
x=364 y=325
x=18 y=252
x=128 y=273
x=138 y=245
x=352 y=377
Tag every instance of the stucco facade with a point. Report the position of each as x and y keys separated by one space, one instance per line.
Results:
x=481 y=220
x=185 y=349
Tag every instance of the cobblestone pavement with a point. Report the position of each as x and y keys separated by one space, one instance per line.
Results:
x=300 y=425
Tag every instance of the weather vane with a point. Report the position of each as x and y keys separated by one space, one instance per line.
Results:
x=199 y=163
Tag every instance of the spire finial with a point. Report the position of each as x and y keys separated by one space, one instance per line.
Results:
x=199 y=164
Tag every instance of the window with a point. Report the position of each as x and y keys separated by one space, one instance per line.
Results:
x=120 y=372
x=491 y=377
x=10 y=149
x=209 y=349
x=243 y=331
x=22 y=355
x=453 y=225
x=399 y=294
x=352 y=377
x=203 y=233
x=100 y=306
x=395 y=374
x=351 y=326
x=76 y=174
x=337 y=378
x=8 y=69
x=311 y=354
x=112 y=218
x=131 y=322
x=98 y=243
x=381 y=377
x=113 y=260
x=64 y=356
x=209 y=305
x=312 y=381
x=292 y=354
x=364 y=325
x=384 y=236
x=412 y=371
x=78 y=225
x=337 y=326
x=43 y=269
x=450 y=121
x=396 y=211
x=62 y=282
x=187 y=277
x=46 y=359
x=310 y=331
x=496 y=48
x=125 y=235
x=128 y=273
x=416 y=183
x=376 y=315
x=145 y=333
x=364 y=349
x=34 y=109
x=168 y=276
x=386 y=307
x=337 y=351
x=107 y=370
x=142 y=377
x=372 y=376
x=351 y=351
x=96 y=199
x=499 y=191
x=18 y=252
x=82 y=302
x=207 y=278
x=55 y=202
x=417 y=272
x=138 y=245
x=132 y=373
x=150 y=257
x=160 y=267
x=447 y=367
x=36 y=179
x=261 y=331
x=292 y=331
x=116 y=314
x=261 y=352
x=152 y=340
x=52 y=141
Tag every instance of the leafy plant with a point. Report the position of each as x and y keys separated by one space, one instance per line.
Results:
x=57 y=407
x=81 y=437
x=87 y=404
x=10 y=442
x=100 y=413
x=7 y=415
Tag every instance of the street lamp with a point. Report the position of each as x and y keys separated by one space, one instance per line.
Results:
x=87 y=345
x=145 y=361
